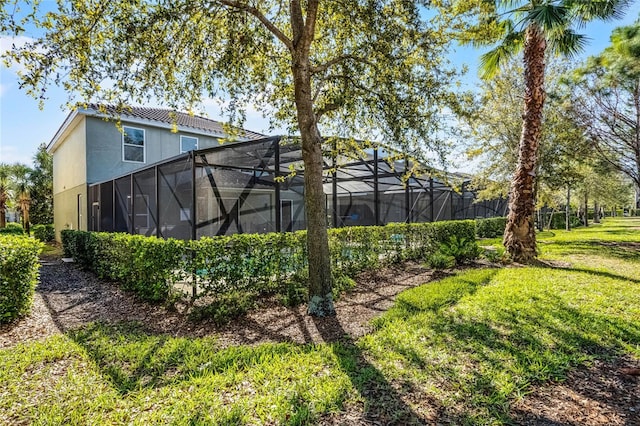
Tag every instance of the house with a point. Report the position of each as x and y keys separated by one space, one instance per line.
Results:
x=98 y=142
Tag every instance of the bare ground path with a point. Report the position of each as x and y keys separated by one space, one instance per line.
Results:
x=605 y=393
x=68 y=298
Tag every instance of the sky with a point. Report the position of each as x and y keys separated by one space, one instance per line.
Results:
x=24 y=126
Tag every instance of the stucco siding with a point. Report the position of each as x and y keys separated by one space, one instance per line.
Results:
x=69 y=160
x=104 y=147
x=70 y=209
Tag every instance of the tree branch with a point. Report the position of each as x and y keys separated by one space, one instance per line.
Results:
x=260 y=17
x=338 y=59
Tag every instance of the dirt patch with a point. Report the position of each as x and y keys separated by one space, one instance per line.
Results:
x=68 y=298
x=604 y=393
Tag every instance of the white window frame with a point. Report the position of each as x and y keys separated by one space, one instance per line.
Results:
x=144 y=145
x=182 y=151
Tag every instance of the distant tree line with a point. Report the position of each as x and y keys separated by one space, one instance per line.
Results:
x=28 y=191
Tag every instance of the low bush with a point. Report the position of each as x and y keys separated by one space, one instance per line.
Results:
x=18 y=275
x=461 y=249
x=491 y=227
x=439 y=260
x=12 y=228
x=44 y=233
x=257 y=264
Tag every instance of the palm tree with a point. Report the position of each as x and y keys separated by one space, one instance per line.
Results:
x=21 y=174
x=4 y=193
x=533 y=27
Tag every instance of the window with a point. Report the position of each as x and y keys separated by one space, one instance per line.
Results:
x=133 y=145
x=188 y=143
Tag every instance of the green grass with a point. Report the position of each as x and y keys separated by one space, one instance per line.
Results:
x=465 y=347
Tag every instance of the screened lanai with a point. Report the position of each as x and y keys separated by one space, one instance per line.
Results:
x=257 y=187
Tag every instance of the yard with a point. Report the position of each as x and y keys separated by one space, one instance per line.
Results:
x=547 y=345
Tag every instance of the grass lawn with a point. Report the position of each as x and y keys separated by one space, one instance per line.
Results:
x=460 y=349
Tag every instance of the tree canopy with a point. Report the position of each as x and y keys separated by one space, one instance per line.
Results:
x=371 y=69
x=606 y=100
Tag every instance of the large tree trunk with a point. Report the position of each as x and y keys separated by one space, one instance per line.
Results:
x=320 y=279
x=586 y=208
x=567 y=217
x=596 y=211
x=520 y=233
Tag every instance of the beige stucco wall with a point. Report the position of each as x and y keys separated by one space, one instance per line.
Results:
x=70 y=160
x=65 y=209
x=70 y=179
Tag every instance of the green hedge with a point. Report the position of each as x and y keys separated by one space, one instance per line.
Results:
x=274 y=263
x=491 y=228
x=18 y=275
x=12 y=228
x=44 y=233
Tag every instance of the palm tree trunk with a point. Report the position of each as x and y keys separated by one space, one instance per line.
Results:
x=520 y=233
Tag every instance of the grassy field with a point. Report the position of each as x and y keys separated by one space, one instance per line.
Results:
x=461 y=349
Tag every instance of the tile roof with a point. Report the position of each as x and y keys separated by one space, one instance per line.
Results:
x=168 y=116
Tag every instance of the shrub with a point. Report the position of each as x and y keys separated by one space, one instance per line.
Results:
x=256 y=264
x=44 y=233
x=12 y=228
x=18 y=275
x=491 y=228
x=439 y=260
x=460 y=249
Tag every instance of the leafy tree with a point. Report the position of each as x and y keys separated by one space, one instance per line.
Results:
x=606 y=101
x=532 y=27
x=355 y=68
x=41 y=187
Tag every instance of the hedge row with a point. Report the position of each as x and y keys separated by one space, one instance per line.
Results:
x=44 y=233
x=274 y=263
x=491 y=228
x=12 y=228
x=18 y=275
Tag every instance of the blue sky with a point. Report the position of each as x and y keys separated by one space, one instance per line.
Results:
x=23 y=126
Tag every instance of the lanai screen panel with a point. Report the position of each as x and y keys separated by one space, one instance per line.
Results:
x=235 y=189
x=392 y=189
x=355 y=191
x=122 y=207
x=144 y=203
x=292 y=211
x=175 y=199
x=106 y=206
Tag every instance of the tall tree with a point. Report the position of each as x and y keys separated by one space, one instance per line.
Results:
x=532 y=27
x=41 y=187
x=21 y=175
x=5 y=195
x=606 y=102
x=359 y=68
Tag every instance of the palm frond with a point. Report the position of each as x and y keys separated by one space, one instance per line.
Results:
x=567 y=42
x=492 y=61
x=549 y=17
x=588 y=10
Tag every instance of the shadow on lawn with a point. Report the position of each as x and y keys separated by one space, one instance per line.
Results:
x=133 y=359
x=383 y=404
x=531 y=343
x=619 y=250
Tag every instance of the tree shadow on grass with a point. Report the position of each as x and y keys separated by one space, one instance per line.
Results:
x=383 y=402
x=536 y=344
x=621 y=250
x=133 y=359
